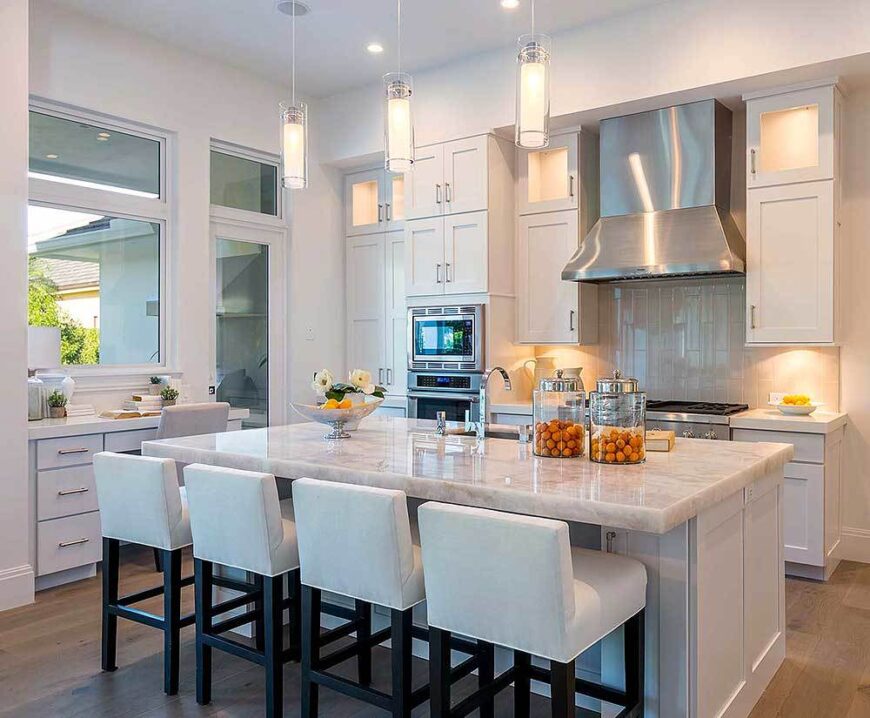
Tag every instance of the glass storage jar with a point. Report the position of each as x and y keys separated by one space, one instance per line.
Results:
x=559 y=404
x=617 y=421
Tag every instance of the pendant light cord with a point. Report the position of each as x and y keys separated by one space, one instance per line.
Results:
x=399 y=31
x=293 y=44
x=533 y=17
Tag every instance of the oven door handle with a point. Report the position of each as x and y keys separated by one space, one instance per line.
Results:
x=439 y=395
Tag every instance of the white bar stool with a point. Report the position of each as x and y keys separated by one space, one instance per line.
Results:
x=516 y=581
x=193 y=419
x=237 y=521
x=141 y=503
x=356 y=541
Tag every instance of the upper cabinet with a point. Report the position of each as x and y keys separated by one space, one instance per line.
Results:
x=449 y=178
x=792 y=217
x=547 y=179
x=374 y=202
x=790 y=137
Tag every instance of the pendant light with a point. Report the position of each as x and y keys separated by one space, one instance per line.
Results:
x=294 y=120
x=533 y=89
x=398 y=120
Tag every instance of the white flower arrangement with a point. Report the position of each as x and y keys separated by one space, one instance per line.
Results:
x=323 y=382
x=359 y=382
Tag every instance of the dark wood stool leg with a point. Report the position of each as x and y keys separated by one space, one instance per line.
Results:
x=111 y=574
x=562 y=689
x=634 y=662
x=486 y=675
x=400 y=640
x=203 y=573
x=171 y=619
x=294 y=588
x=363 y=633
x=158 y=563
x=439 y=673
x=273 y=597
x=259 y=628
x=522 y=685
x=310 y=649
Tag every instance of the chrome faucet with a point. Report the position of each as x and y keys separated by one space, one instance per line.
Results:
x=483 y=420
x=441 y=423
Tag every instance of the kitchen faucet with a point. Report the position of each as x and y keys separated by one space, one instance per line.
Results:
x=480 y=424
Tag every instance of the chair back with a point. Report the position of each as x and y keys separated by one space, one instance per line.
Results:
x=235 y=517
x=356 y=541
x=193 y=419
x=503 y=578
x=140 y=500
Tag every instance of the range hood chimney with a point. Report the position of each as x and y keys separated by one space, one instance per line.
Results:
x=665 y=198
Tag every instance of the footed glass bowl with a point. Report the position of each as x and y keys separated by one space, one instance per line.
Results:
x=338 y=418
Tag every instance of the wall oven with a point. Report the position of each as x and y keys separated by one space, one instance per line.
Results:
x=456 y=394
x=446 y=338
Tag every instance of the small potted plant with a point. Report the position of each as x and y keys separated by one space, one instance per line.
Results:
x=57 y=405
x=169 y=395
x=155 y=385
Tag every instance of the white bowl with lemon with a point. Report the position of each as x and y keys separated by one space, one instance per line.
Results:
x=796 y=405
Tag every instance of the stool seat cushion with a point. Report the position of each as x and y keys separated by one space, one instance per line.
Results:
x=238 y=521
x=140 y=500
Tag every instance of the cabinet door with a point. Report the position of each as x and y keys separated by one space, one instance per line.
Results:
x=394 y=205
x=465 y=174
x=790 y=264
x=424 y=257
x=364 y=202
x=549 y=308
x=804 y=514
x=548 y=178
x=396 y=316
x=424 y=184
x=790 y=137
x=365 y=305
x=465 y=253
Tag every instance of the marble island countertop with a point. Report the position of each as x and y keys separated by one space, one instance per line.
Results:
x=406 y=454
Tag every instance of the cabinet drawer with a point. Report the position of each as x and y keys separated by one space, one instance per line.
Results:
x=64 y=492
x=129 y=440
x=68 y=542
x=67 y=451
x=807 y=447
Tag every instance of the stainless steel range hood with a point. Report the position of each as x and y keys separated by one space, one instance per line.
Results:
x=665 y=198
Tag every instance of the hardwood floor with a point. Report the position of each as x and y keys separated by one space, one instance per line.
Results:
x=50 y=659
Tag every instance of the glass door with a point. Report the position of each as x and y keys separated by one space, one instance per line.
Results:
x=242 y=327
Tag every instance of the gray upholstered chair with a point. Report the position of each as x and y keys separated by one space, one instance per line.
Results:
x=515 y=581
x=193 y=420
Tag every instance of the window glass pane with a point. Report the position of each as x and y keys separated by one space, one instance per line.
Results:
x=242 y=352
x=241 y=183
x=91 y=156
x=98 y=279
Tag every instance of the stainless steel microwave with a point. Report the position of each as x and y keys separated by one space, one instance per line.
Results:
x=446 y=338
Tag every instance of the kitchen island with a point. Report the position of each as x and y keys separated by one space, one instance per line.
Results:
x=705 y=519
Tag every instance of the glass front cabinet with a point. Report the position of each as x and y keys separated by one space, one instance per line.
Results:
x=374 y=202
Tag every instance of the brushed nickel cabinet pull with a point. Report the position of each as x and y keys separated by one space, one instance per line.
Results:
x=380 y=376
x=437 y=194
x=389 y=376
x=64 y=452
x=67 y=544
x=752 y=160
x=571 y=186
x=752 y=316
x=447 y=195
x=389 y=213
x=380 y=213
x=571 y=320
x=69 y=492
x=438 y=274
x=447 y=273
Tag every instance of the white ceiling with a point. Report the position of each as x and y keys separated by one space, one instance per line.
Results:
x=331 y=39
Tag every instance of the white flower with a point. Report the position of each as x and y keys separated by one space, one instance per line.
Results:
x=369 y=389
x=360 y=378
x=322 y=381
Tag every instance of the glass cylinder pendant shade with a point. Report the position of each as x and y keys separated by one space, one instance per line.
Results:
x=398 y=123
x=533 y=91
x=294 y=145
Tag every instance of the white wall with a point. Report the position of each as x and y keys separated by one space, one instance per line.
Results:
x=16 y=573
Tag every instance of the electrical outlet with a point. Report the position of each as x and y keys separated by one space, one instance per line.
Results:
x=775 y=397
x=309 y=334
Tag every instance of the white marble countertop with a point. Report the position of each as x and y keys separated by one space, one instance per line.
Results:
x=79 y=425
x=405 y=454
x=819 y=422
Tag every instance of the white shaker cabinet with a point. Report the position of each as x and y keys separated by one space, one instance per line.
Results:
x=549 y=308
x=548 y=178
x=424 y=257
x=374 y=202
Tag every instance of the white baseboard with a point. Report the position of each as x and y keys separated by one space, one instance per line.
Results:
x=16 y=586
x=855 y=545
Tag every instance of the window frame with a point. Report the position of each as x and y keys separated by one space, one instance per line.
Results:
x=59 y=195
x=219 y=211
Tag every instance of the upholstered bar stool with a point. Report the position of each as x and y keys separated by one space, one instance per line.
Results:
x=141 y=503
x=356 y=541
x=516 y=581
x=237 y=521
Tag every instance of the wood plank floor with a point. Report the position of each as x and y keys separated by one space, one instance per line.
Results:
x=50 y=658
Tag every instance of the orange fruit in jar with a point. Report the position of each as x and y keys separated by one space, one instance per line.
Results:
x=620 y=443
x=557 y=435
x=610 y=457
x=545 y=452
x=611 y=448
x=566 y=452
x=551 y=444
x=620 y=457
x=634 y=442
x=633 y=458
x=571 y=443
x=545 y=435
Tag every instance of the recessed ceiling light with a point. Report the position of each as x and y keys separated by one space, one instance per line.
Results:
x=51 y=157
x=292 y=7
x=510 y=4
x=103 y=136
x=375 y=48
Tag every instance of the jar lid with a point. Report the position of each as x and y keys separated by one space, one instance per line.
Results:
x=616 y=384
x=561 y=383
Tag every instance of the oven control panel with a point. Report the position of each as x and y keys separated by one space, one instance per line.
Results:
x=443 y=381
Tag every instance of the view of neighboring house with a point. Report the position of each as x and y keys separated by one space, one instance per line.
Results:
x=78 y=289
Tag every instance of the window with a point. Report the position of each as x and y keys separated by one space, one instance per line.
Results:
x=244 y=183
x=97 y=223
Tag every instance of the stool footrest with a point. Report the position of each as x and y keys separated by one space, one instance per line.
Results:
x=234 y=622
x=587 y=688
x=132 y=598
x=483 y=694
x=240 y=650
x=342 y=654
x=354 y=690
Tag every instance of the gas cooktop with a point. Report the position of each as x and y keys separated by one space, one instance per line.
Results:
x=695 y=407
